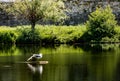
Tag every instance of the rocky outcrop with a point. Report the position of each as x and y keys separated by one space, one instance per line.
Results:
x=79 y=10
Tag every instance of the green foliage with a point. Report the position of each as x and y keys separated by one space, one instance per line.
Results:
x=61 y=34
x=45 y=34
x=7 y=35
x=107 y=39
x=117 y=29
x=101 y=24
x=35 y=10
x=28 y=36
x=50 y=34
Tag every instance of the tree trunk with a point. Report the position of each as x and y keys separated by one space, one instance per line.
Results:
x=33 y=25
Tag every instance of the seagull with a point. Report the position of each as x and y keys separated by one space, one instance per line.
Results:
x=35 y=57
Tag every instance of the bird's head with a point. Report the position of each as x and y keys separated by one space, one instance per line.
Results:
x=38 y=56
x=35 y=57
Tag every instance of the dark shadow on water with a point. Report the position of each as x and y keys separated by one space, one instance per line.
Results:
x=117 y=71
x=29 y=48
x=98 y=48
x=34 y=48
x=78 y=72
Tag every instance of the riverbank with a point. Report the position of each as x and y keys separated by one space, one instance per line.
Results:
x=49 y=34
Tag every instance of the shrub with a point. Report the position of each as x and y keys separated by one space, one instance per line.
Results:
x=28 y=36
x=71 y=34
x=107 y=39
x=61 y=34
x=7 y=36
x=101 y=24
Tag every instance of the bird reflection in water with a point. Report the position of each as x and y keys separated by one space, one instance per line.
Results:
x=36 y=70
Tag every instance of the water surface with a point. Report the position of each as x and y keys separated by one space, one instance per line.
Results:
x=66 y=63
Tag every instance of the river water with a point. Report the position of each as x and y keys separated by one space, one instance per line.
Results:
x=65 y=63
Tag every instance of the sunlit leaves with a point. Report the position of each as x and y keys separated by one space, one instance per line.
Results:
x=101 y=23
x=35 y=10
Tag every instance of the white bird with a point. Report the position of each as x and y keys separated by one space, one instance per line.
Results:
x=35 y=57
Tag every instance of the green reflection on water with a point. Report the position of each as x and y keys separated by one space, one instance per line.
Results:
x=66 y=63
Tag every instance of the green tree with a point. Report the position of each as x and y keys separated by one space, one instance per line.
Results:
x=101 y=24
x=35 y=10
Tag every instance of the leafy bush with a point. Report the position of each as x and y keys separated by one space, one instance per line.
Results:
x=101 y=24
x=71 y=34
x=107 y=39
x=50 y=34
x=61 y=34
x=7 y=35
x=28 y=36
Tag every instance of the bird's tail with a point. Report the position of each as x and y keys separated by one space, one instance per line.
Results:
x=29 y=58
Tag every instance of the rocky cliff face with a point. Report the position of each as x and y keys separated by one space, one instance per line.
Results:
x=77 y=10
